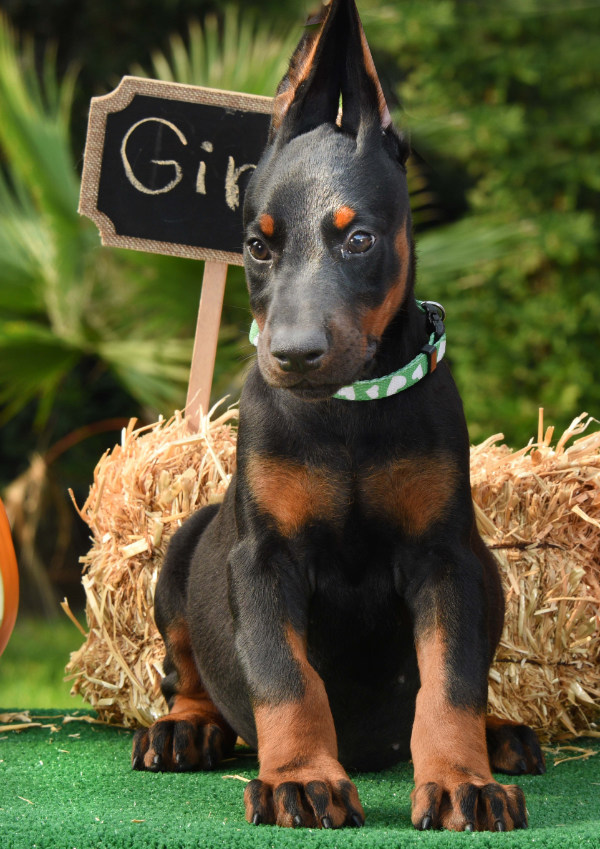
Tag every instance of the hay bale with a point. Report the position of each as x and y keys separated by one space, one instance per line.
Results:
x=142 y=491
x=538 y=508
x=539 y=511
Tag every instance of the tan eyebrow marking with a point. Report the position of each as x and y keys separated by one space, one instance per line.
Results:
x=267 y=224
x=343 y=217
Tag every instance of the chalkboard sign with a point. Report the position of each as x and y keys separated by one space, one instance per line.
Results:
x=166 y=166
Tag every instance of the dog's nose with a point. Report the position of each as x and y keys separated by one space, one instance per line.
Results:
x=298 y=352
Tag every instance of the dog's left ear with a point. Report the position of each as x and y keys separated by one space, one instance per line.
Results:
x=333 y=62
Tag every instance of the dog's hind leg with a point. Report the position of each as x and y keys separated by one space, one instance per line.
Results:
x=513 y=748
x=193 y=735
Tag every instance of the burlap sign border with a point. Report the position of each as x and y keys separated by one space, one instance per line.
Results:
x=118 y=100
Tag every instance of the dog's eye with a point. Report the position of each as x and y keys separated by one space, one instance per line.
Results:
x=359 y=242
x=259 y=250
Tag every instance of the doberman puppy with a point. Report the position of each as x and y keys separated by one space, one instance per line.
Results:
x=339 y=606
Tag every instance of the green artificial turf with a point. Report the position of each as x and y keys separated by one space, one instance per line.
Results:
x=70 y=786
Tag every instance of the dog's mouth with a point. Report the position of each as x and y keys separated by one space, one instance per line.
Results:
x=313 y=389
x=310 y=390
x=341 y=369
x=313 y=392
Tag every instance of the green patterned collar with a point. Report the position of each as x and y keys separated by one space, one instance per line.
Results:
x=424 y=363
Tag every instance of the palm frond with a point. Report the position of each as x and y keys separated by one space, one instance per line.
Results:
x=154 y=371
x=238 y=52
x=34 y=129
x=25 y=250
x=457 y=251
x=43 y=238
x=33 y=362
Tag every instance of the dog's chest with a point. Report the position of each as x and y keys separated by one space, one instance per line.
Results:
x=408 y=493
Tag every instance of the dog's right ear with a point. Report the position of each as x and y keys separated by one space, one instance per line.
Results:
x=331 y=63
x=300 y=68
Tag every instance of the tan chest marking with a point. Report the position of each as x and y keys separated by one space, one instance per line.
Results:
x=412 y=493
x=295 y=495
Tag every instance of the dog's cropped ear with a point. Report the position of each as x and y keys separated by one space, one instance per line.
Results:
x=331 y=62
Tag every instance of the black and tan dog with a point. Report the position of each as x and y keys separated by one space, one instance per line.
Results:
x=339 y=607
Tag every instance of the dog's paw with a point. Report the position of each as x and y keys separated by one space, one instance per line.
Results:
x=178 y=745
x=312 y=804
x=513 y=749
x=466 y=806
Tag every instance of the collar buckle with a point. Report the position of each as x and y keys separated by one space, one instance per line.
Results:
x=435 y=314
x=435 y=317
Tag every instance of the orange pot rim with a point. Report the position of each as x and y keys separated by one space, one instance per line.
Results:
x=10 y=579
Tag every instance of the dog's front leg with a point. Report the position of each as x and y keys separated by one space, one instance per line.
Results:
x=454 y=787
x=301 y=782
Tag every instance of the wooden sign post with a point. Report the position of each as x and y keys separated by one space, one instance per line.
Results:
x=165 y=168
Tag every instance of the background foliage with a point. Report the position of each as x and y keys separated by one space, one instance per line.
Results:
x=502 y=103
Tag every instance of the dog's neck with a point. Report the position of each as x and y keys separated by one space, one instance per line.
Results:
x=402 y=339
